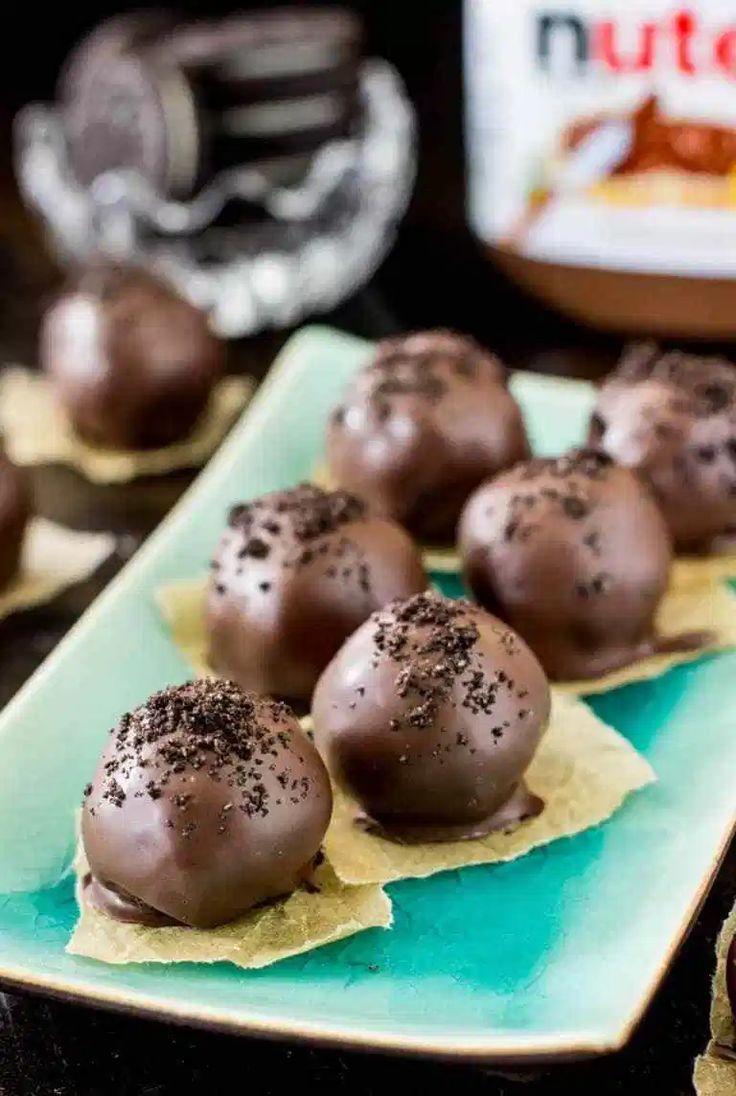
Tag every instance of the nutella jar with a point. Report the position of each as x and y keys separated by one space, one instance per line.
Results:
x=601 y=139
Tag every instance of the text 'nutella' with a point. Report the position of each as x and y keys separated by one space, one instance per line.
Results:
x=602 y=156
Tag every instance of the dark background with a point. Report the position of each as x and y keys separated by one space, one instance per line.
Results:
x=435 y=275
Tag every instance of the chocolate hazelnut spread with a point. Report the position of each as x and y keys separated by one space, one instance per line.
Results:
x=659 y=143
x=602 y=157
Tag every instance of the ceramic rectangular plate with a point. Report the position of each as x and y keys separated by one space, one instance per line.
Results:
x=555 y=954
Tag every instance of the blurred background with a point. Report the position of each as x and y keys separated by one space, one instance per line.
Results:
x=434 y=274
x=388 y=249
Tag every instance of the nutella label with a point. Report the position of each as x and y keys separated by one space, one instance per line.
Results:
x=602 y=133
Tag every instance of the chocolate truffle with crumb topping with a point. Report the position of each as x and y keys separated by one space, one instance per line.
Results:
x=207 y=802
x=294 y=574
x=429 y=716
x=422 y=426
x=574 y=554
x=133 y=364
x=672 y=418
x=15 y=512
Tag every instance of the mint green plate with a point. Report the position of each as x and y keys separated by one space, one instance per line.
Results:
x=557 y=954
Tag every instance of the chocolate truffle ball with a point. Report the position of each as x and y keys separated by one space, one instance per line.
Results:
x=294 y=574
x=731 y=975
x=15 y=511
x=207 y=802
x=672 y=418
x=421 y=427
x=574 y=554
x=133 y=364
x=429 y=716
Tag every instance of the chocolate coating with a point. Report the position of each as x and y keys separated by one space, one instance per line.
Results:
x=294 y=574
x=15 y=512
x=575 y=555
x=133 y=364
x=672 y=418
x=207 y=802
x=429 y=716
x=421 y=427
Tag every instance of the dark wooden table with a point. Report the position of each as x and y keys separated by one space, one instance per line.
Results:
x=48 y=1048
